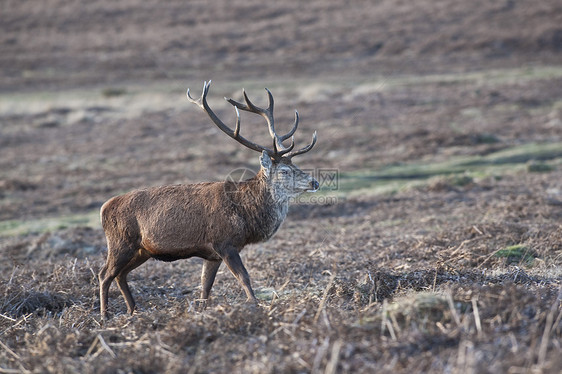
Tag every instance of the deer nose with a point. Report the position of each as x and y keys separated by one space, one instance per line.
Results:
x=314 y=184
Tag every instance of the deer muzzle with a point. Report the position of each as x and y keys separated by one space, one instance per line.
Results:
x=314 y=185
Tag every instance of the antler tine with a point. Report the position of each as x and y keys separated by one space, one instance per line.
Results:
x=270 y=101
x=237 y=128
x=305 y=149
x=289 y=149
x=204 y=92
x=202 y=102
x=251 y=107
x=290 y=133
x=248 y=106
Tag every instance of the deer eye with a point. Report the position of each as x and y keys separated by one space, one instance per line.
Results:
x=284 y=172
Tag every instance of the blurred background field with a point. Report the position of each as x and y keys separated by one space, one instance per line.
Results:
x=439 y=250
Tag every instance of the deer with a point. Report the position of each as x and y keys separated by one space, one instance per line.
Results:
x=210 y=220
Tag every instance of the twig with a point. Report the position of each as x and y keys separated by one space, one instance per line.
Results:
x=284 y=285
x=12 y=276
x=9 y=318
x=9 y=371
x=390 y=328
x=16 y=356
x=465 y=357
x=163 y=347
x=486 y=259
x=297 y=320
x=99 y=339
x=441 y=327
x=547 y=329
x=452 y=308
x=194 y=367
x=274 y=332
x=386 y=322
x=332 y=366
x=92 y=346
x=320 y=355
x=394 y=322
x=106 y=347
x=96 y=321
x=435 y=280
x=42 y=329
x=22 y=319
x=460 y=246
x=130 y=344
x=326 y=320
x=324 y=298
x=476 y=316
x=477 y=230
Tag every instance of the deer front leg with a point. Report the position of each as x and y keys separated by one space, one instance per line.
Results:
x=208 y=274
x=232 y=259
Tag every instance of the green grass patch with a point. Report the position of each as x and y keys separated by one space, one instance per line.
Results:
x=539 y=167
x=458 y=171
x=113 y=92
x=517 y=254
x=24 y=227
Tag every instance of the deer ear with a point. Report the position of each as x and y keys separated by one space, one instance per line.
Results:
x=265 y=162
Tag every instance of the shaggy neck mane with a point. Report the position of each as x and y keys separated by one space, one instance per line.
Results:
x=258 y=204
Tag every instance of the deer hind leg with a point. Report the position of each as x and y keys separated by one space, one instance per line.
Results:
x=140 y=258
x=117 y=259
x=232 y=259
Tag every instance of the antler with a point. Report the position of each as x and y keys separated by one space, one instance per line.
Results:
x=278 y=147
x=202 y=102
x=279 y=150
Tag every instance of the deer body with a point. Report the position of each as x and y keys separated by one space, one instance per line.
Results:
x=213 y=221
x=182 y=221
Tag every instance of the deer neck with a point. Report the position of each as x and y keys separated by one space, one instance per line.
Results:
x=264 y=208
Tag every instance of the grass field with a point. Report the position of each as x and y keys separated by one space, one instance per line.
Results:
x=434 y=247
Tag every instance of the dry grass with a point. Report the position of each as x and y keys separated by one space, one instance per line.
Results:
x=456 y=324
x=446 y=272
x=450 y=305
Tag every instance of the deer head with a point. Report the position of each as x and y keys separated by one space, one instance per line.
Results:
x=284 y=177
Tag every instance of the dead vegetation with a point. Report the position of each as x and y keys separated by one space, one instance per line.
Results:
x=357 y=298
x=419 y=321
x=441 y=250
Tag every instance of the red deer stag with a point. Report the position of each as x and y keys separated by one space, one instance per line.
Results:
x=213 y=221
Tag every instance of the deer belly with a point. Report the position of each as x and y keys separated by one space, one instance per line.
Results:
x=173 y=251
x=173 y=256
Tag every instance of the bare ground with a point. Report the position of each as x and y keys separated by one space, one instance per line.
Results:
x=440 y=250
